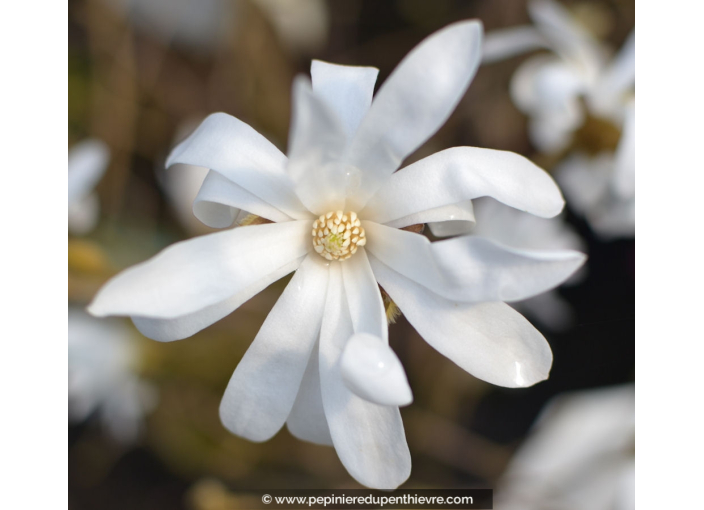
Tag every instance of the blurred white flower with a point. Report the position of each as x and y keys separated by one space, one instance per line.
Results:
x=102 y=359
x=321 y=361
x=602 y=188
x=521 y=230
x=202 y=25
x=551 y=88
x=579 y=456
x=87 y=162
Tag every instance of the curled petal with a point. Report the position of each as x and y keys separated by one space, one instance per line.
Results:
x=264 y=386
x=463 y=173
x=366 y=307
x=471 y=268
x=446 y=220
x=236 y=151
x=347 y=90
x=194 y=274
x=411 y=106
x=491 y=341
x=220 y=200
x=373 y=371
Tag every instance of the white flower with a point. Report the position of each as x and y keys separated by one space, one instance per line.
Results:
x=579 y=456
x=321 y=361
x=518 y=229
x=550 y=87
x=602 y=188
x=87 y=162
x=102 y=358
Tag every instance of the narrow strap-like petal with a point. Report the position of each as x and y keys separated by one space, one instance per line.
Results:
x=463 y=173
x=366 y=307
x=235 y=150
x=368 y=438
x=87 y=162
x=264 y=386
x=219 y=201
x=491 y=341
x=509 y=42
x=194 y=274
x=348 y=90
x=307 y=419
x=471 y=269
x=316 y=144
x=411 y=105
x=168 y=330
x=625 y=157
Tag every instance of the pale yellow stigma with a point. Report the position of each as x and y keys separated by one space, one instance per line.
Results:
x=337 y=235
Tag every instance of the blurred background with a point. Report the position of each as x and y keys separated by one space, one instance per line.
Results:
x=144 y=431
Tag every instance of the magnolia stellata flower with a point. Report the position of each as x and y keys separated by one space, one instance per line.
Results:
x=551 y=88
x=602 y=188
x=578 y=456
x=102 y=359
x=518 y=229
x=321 y=361
x=87 y=162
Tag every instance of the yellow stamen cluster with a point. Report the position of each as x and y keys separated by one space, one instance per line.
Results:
x=337 y=235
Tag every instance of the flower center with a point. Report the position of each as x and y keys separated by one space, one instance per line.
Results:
x=337 y=235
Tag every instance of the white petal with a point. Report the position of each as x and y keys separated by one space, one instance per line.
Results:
x=200 y=272
x=518 y=229
x=168 y=330
x=220 y=200
x=235 y=150
x=316 y=144
x=87 y=162
x=307 y=419
x=625 y=162
x=368 y=438
x=263 y=388
x=366 y=306
x=470 y=268
x=83 y=214
x=585 y=180
x=412 y=104
x=463 y=173
x=616 y=80
x=347 y=90
x=567 y=37
x=455 y=218
x=491 y=341
x=509 y=42
x=373 y=371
